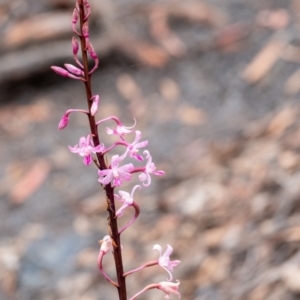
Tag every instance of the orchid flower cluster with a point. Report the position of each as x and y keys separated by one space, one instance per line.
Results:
x=112 y=175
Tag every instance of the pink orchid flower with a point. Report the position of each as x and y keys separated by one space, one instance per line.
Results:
x=126 y=199
x=164 y=259
x=149 y=169
x=170 y=288
x=115 y=173
x=121 y=130
x=85 y=147
x=132 y=148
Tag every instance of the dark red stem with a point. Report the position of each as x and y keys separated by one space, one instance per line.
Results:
x=112 y=221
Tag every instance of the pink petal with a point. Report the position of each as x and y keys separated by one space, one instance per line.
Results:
x=138 y=136
x=168 y=251
x=74 y=149
x=158 y=173
x=143 y=177
x=124 y=176
x=115 y=161
x=120 y=211
x=107 y=179
x=109 y=131
x=126 y=168
x=141 y=144
x=98 y=148
x=82 y=142
x=87 y=160
x=158 y=248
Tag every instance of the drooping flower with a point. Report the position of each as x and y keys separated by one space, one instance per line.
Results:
x=85 y=147
x=126 y=199
x=164 y=259
x=170 y=288
x=132 y=148
x=121 y=130
x=149 y=169
x=115 y=173
x=106 y=244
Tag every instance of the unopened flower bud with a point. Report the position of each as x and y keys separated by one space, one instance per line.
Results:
x=75 y=45
x=60 y=71
x=63 y=122
x=106 y=244
x=94 y=107
x=74 y=70
x=88 y=8
x=75 y=16
x=92 y=52
x=85 y=30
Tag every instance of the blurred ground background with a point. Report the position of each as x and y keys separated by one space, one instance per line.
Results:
x=214 y=87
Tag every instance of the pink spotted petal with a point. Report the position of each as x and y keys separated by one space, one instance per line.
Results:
x=124 y=176
x=158 y=173
x=136 y=156
x=115 y=161
x=138 y=136
x=108 y=176
x=126 y=168
x=87 y=160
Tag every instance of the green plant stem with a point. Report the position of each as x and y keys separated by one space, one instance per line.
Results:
x=109 y=190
